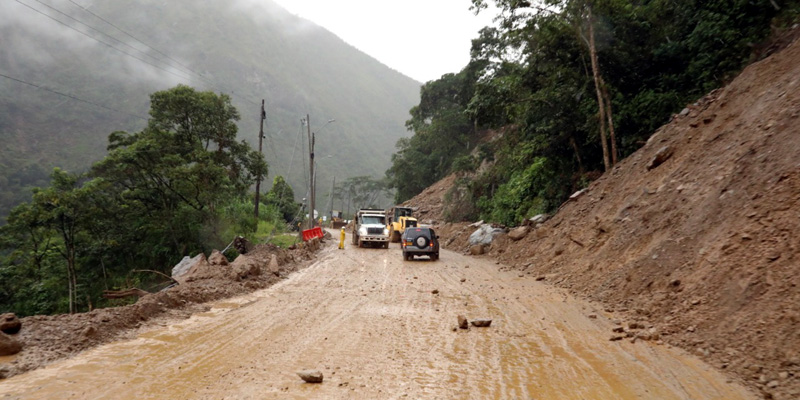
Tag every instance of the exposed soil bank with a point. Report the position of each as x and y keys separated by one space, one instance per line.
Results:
x=702 y=244
x=50 y=338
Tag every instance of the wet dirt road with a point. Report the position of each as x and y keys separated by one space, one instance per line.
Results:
x=370 y=322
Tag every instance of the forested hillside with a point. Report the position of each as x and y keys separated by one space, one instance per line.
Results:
x=245 y=50
x=561 y=91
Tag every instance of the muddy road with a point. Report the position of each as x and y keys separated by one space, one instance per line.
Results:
x=372 y=324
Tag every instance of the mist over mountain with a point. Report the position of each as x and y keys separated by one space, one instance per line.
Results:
x=248 y=49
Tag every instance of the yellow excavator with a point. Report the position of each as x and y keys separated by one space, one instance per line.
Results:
x=400 y=218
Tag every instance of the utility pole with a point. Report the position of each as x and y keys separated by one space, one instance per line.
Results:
x=260 y=142
x=333 y=188
x=312 y=222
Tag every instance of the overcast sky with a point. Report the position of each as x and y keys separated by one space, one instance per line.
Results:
x=422 y=39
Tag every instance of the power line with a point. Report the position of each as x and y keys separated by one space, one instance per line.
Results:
x=135 y=38
x=199 y=75
x=71 y=96
x=100 y=41
x=181 y=75
x=186 y=76
x=99 y=31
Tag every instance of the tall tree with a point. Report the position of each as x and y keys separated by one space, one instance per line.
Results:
x=281 y=196
x=62 y=207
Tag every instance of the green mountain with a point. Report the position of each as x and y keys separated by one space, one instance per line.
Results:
x=245 y=48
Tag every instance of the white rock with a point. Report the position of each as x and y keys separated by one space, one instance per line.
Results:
x=311 y=376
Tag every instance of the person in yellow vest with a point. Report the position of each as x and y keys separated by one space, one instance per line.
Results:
x=341 y=240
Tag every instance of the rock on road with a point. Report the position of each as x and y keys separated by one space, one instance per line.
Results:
x=372 y=324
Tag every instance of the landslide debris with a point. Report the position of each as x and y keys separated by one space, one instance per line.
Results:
x=45 y=339
x=695 y=234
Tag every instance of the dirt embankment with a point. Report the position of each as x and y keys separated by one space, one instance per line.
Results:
x=50 y=338
x=702 y=244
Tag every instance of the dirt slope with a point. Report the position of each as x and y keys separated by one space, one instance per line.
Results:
x=706 y=245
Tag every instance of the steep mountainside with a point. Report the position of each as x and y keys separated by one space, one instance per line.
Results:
x=702 y=247
x=251 y=51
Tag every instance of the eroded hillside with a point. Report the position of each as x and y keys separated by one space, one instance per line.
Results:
x=702 y=246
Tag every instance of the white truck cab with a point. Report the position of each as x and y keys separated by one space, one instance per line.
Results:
x=369 y=228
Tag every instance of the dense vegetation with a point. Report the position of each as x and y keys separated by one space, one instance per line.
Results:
x=175 y=188
x=560 y=90
x=249 y=50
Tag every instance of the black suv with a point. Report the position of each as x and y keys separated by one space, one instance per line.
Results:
x=420 y=241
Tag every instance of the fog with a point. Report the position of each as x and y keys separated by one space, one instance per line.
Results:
x=34 y=44
x=268 y=12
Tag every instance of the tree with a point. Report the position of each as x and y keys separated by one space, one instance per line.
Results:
x=364 y=191
x=157 y=196
x=442 y=131
x=281 y=196
x=176 y=172
x=62 y=208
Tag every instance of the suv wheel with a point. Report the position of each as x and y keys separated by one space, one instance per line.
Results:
x=421 y=242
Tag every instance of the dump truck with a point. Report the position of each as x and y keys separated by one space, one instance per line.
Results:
x=400 y=218
x=369 y=228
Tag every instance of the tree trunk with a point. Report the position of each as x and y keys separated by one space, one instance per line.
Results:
x=600 y=100
x=73 y=281
x=118 y=294
x=610 y=114
x=577 y=154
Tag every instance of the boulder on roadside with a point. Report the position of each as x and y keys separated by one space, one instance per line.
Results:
x=311 y=375
x=9 y=345
x=476 y=249
x=518 y=233
x=217 y=258
x=463 y=323
x=274 y=268
x=244 y=266
x=9 y=323
x=182 y=268
x=481 y=322
x=485 y=235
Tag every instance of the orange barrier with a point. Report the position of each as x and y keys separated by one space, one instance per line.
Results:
x=309 y=234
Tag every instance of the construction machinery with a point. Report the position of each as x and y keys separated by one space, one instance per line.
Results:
x=336 y=220
x=400 y=218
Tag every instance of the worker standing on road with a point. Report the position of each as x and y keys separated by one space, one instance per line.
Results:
x=341 y=240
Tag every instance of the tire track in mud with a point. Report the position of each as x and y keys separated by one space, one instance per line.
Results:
x=372 y=324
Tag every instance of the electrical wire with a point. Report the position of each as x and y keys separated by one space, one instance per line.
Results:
x=183 y=74
x=104 y=43
x=72 y=97
x=199 y=75
x=99 y=31
x=135 y=38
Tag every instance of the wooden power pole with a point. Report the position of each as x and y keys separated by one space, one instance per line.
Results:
x=260 y=145
x=312 y=223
